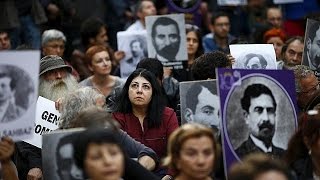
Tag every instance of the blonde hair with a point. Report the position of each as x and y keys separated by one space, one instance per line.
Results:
x=178 y=138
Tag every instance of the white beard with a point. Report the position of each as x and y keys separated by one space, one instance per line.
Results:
x=55 y=89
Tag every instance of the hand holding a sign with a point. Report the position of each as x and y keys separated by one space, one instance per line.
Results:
x=34 y=174
x=6 y=149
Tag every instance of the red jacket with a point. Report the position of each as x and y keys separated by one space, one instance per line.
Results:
x=155 y=138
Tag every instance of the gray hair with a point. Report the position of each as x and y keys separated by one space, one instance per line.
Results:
x=77 y=101
x=52 y=34
x=301 y=72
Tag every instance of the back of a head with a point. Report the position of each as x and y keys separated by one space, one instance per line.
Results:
x=94 y=117
x=153 y=65
x=205 y=66
x=253 y=166
x=77 y=101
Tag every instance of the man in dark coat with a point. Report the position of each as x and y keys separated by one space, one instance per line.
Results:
x=259 y=107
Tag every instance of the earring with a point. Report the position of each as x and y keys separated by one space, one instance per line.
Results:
x=309 y=152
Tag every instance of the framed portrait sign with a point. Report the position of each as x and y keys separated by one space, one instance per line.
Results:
x=258 y=112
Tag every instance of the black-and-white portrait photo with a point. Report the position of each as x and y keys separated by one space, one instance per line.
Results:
x=15 y=84
x=134 y=44
x=311 y=54
x=167 y=37
x=200 y=103
x=264 y=112
x=19 y=73
x=57 y=156
x=253 y=56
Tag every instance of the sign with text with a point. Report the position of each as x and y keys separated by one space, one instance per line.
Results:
x=19 y=76
x=47 y=120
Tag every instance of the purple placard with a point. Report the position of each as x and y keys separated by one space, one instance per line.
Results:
x=192 y=13
x=232 y=84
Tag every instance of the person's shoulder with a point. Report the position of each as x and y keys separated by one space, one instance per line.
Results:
x=208 y=36
x=168 y=113
x=86 y=82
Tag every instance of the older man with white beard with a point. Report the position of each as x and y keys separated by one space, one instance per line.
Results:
x=55 y=76
x=56 y=81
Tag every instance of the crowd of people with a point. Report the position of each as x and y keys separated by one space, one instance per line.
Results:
x=133 y=127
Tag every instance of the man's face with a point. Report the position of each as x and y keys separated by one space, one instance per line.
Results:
x=254 y=63
x=314 y=49
x=293 y=54
x=5 y=43
x=166 y=41
x=261 y=117
x=54 y=47
x=309 y=89
x=56 y=88
x=148 y=9
x=136 y=49
x=221 y=27
x=67 y=169
x=274 y=17
x=5 y=89
x=207 y=109
x=101 y=38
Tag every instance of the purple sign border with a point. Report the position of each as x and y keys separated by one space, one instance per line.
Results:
x=278 y=77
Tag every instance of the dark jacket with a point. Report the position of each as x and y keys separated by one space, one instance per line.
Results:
x=303 y=169
x=248 y=147
x=9 y=17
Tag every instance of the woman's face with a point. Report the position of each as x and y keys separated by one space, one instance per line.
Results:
x=277 y=45
x=101 y=63
x=104 y=161
x=196 y=158
x=140 y=92
x=192 y=43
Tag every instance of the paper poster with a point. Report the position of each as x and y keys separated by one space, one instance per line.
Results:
x=200 y=103
x=253 y=56
x=134 y=44
x=286 y=1
x=167 y=39
x=19 y=74
x=57 y=155
x=232 y=2
x=311 y=50
x=47 y=120
x=258 y=112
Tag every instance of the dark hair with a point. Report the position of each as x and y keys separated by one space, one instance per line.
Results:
x=153 y=65
x=94 y=117
x=156 y=105
x=313 y=30
x=165 y=21
x=12 y=80
x=254 y=91
x=262 y=60
x=255 y=165
x=98 y=136
x=90 y=28
x=288 y=42
x=195 y=29
x=309 y=128
x=193 y=92
x=218 y=14
x=204 y=66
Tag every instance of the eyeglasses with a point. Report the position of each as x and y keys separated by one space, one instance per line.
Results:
x=314 y=88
